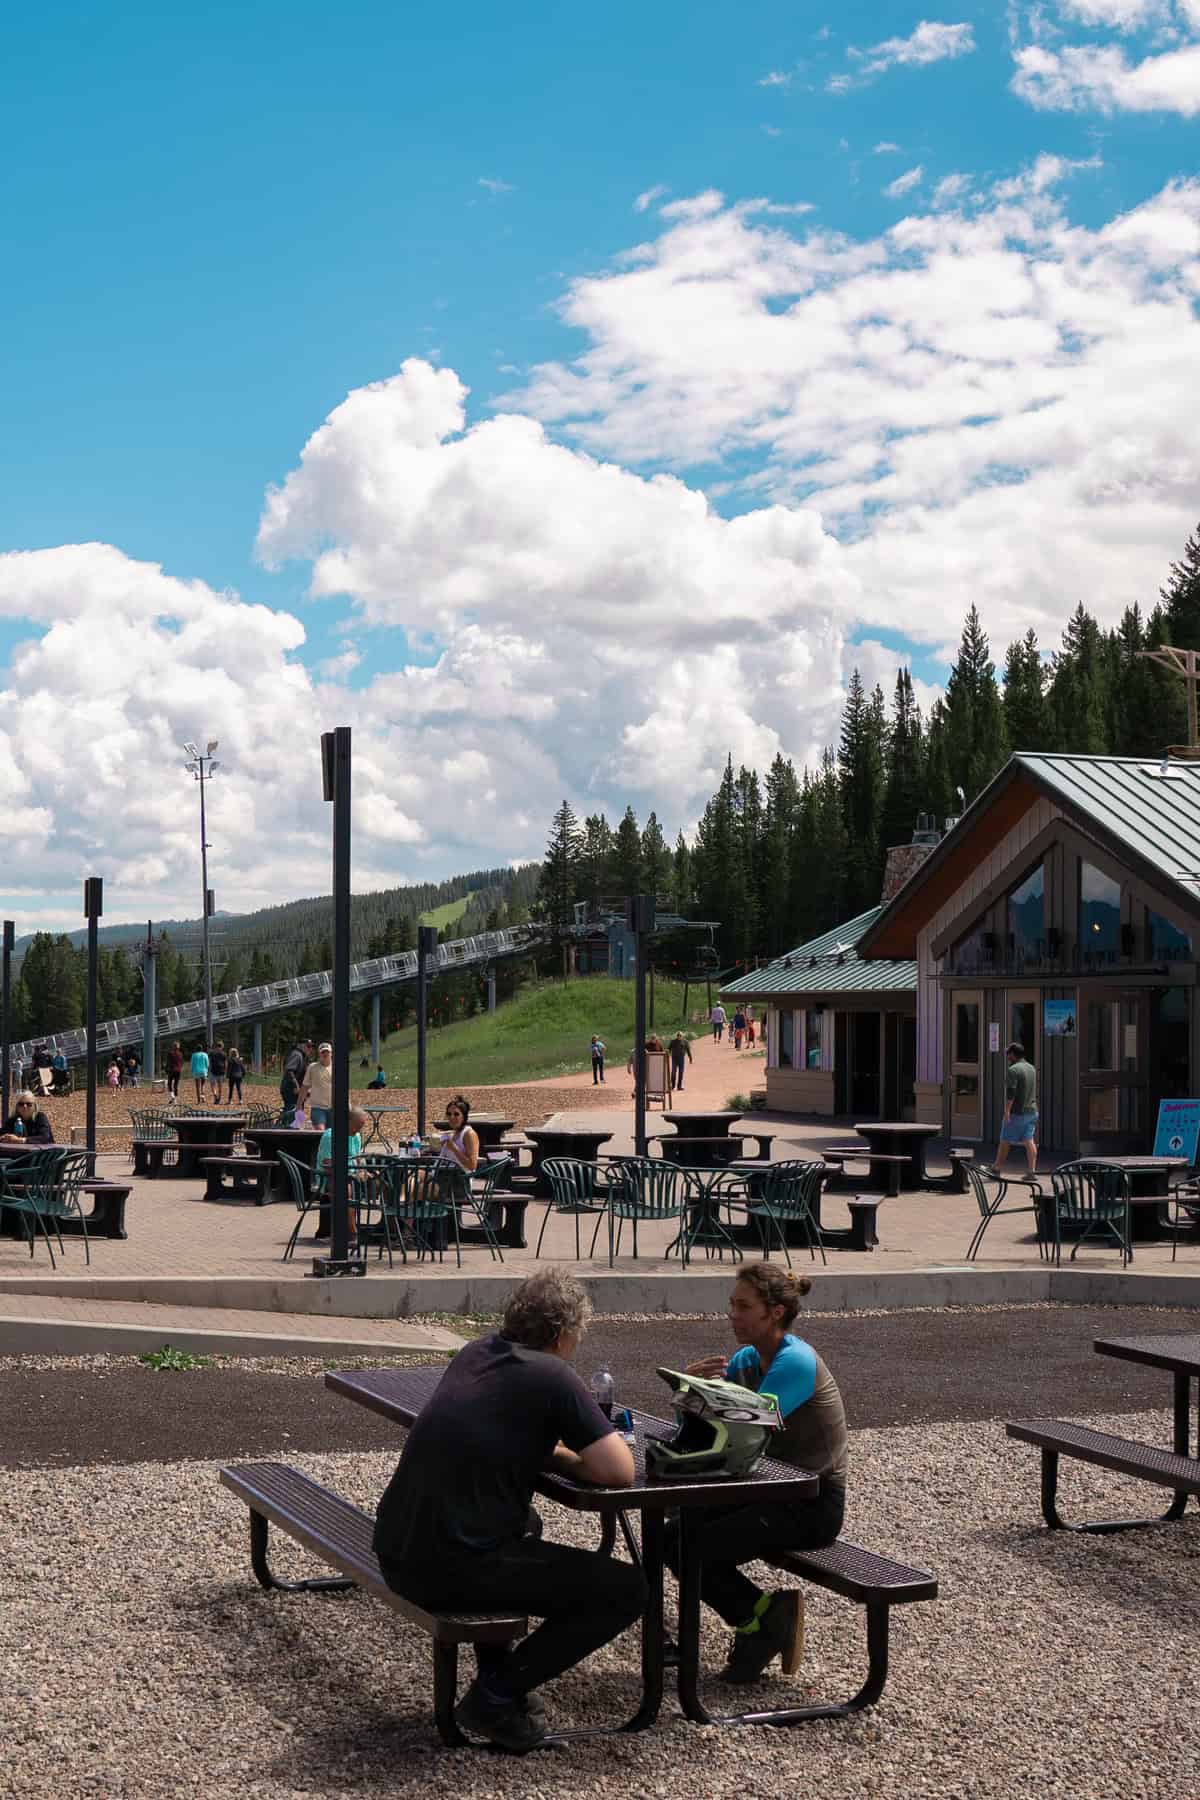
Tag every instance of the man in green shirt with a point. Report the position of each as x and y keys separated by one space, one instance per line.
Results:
x=1020 y=1108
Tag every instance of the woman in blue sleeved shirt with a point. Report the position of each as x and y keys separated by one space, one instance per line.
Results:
x=771 y=1359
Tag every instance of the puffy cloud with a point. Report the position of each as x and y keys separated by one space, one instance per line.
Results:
x=993 y=402
x=1097 y=76
x=646 y=200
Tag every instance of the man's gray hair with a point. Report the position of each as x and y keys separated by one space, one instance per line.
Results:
x=542 y=1307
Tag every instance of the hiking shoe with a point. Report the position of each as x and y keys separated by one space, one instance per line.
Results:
x=780 y=1633
x=510 y=1724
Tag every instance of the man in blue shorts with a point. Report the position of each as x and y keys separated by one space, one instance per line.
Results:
x=1020 y=1108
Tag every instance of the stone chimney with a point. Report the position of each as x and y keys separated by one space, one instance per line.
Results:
x=903 y=860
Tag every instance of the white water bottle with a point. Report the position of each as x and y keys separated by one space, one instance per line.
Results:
x=604 y=1391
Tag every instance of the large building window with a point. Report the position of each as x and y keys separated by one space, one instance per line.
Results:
x=1165 y=940
x=1027 y=917
x=812 y=1038
x=787 y=1037
x=1099 y=913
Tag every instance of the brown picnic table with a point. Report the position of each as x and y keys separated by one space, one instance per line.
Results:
x=200 y=1135
x=558 y=1140
x=902 y=1138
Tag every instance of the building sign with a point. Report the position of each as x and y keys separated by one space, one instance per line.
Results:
x=1178 y=1128
x=1058 y=1018
x=994 y=1034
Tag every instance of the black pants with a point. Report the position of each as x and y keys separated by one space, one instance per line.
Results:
x=583 y=1599
x=746 y=1532
x=173 y=1083
x=677 y=1073
x=235 y=1081
x=597 y=1070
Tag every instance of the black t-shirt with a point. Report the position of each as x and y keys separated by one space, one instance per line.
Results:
x=216 y=1062
x=465 y=1480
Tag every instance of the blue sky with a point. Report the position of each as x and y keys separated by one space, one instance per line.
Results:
x=221 y=225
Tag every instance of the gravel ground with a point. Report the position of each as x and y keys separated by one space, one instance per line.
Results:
x=1051 y=1665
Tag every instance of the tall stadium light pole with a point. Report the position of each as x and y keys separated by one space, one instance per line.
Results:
x=335 y=770
x=93 y=906
x=5 y=1014
x=201 y=765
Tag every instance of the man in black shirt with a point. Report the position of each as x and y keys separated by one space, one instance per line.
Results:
x=452 y=1531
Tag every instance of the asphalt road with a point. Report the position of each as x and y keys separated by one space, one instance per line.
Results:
x=904 y=1368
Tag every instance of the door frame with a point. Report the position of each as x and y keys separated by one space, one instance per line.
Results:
x=972 y=1130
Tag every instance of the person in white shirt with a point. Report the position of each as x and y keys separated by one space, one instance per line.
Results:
x=317 y=1093
x=716 y=1019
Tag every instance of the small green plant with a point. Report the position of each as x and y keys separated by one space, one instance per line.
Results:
x=737 y=1103
x=171 y=1358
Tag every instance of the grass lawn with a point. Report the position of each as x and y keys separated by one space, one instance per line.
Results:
x=544 y=1031
x=441 y=916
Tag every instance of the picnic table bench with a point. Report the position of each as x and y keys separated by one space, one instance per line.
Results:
x=340 y=1535
x=239 y=1178
x=763 y=1139
x=150 y=1155
x=885 y=1168
x=1175 y=1468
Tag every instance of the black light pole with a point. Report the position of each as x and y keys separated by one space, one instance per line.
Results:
x=639 y=916
x=201 y=765
x=335 y=768
x=93 y=906
x=5 y=1001
x=426 y=946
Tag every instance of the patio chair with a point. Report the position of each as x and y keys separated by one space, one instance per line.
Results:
x=990 y=1209
x=1186 y=1198
x=577 y=1189
x=789 y=1199
x=44 y=1188
x=418 y=1206
x=149 y=1124
x=1093 y=1197
x=644 y=1193
x=299 y=1177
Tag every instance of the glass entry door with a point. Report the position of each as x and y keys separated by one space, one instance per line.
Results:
x=1022 y=1024
x=966 y=1064
x=1113 y=1068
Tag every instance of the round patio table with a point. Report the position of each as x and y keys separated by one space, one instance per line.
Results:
x=202 y=1134
x=899 y=1138
x=701 y=1124
x=489 y=1128
x=548 y=1141
x=376 y=1114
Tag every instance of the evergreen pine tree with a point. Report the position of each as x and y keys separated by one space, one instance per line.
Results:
x=1079 y=688
x=656 y=860
x=860 y=771
x=780 y=820
x=1026 y=720
x=904 y=782
x=1181 y=596
x=559 y=882
x=976 y=743
x=595 y=860
x=628 y=876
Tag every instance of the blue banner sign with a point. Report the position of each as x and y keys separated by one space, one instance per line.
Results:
x=1058 y=1018
x=1178 y=1130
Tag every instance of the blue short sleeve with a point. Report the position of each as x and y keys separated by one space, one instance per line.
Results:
x=743 y=1366
x=792 y=1376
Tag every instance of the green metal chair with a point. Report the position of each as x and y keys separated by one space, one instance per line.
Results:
x=44 y=1188
x=646 y=1192
x=299 y=1177
x=1091 y=1197
x=789 y=1199
x=577 y=1189
x=421 y=1209
x=149 y=1124
x=990 y=1209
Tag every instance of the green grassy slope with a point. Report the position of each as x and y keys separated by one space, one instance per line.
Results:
x=441 y=916
x=544 y=1031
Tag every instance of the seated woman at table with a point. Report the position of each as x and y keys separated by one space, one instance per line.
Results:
x=458 y=1157
x=772 y=1360
x=454 y=1531
x=34 y=1125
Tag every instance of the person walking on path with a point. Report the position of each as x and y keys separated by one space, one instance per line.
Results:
x=291 y=1080
x=174 y=1069
x=1020 y=1108
x=217 y=1064
x=597 y=1061
x=716 y=1019
x=200 y=1073
x=681 y=1051
x=235 y=1072
x=739 y=1028
x=749 y=1029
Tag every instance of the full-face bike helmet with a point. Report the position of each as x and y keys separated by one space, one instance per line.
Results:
x=723 y=1430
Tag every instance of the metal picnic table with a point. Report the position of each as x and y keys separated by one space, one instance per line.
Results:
x=401 y=1394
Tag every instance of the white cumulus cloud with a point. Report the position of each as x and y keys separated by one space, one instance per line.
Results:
x=904 y=184
x=931 y=41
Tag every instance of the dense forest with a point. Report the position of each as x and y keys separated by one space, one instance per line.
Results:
x=779 y=856
x=49 y=991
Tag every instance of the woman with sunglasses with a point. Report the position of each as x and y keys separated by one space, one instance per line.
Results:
x=34 y=1125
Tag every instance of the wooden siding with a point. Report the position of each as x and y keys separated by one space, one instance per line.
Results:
x=800 y=1091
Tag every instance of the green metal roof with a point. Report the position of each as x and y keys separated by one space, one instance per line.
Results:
x=829 y=964
x=1153 y=815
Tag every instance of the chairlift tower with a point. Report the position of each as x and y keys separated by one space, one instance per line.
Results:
x=203 y=768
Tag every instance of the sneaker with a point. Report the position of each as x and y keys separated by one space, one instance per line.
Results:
x=510 y=1724
x=780 y=1633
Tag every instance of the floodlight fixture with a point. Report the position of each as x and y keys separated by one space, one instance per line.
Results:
x=191 y=749
x=212 y=745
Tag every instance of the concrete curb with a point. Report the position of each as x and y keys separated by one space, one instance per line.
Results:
x=76 y=1337
x=402 y=1296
